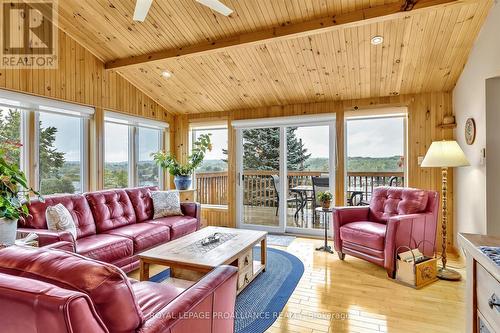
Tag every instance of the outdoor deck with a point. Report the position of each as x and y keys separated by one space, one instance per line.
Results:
x=260 y=197
x=266 y=216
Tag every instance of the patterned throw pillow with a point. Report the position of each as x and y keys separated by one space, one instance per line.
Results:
x=59 y=219
x=166 y=203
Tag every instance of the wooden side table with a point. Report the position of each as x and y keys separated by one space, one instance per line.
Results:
x=326 y=221
x=187 y=195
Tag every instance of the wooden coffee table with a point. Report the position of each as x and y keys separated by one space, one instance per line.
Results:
x=189 y=260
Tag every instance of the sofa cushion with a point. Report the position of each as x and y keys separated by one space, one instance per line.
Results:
x=111 y=209
x=390 y=201
x=107 y=248
x=77 y=206
x=144 y=235
x=369 y=234
x=179 y=225
x=106 y=285
x=152 y=296
x=59 y=219
x=142 y=202
x=166 y=203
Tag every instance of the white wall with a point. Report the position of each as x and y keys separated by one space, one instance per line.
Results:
x=469 y=100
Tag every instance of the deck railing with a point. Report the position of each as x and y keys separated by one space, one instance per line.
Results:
x=212 y=187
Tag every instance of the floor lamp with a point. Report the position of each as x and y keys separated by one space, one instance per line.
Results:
x=444 y=155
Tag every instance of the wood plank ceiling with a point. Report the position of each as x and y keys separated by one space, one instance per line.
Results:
x=423 y=51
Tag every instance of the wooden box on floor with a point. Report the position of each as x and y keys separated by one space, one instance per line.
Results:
x=416 y=275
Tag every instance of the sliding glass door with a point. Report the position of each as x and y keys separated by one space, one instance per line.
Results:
x=276 y=169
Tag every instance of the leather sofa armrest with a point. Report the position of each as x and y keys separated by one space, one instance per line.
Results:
x=192 y=209
x=211 y=300
x=62 y=245
x=410 y=230
x=46 y=237
x=29 y=303
x=343 y=215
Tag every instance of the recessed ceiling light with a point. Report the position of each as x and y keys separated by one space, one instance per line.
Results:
x=377 y=40
x=166 y=74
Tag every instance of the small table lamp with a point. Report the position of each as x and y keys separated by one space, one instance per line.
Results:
x=444 y=155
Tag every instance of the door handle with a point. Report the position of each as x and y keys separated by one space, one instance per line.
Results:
x=494 y=302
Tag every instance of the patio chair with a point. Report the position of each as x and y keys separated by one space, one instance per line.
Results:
x=319 y=184
x=356 y=199
x=276 y=184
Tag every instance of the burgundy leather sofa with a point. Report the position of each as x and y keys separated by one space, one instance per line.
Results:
x=113 y=225
x=47 y=290
x=396 y=217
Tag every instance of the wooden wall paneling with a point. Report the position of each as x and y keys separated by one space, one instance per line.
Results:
x=339 y=154
x=96 y=151
x=215 y=216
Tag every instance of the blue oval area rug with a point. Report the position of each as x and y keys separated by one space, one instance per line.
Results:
x=260 y=304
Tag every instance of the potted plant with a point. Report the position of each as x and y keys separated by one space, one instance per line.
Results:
x=325 y=199
x=182 y=172
x=14 y=195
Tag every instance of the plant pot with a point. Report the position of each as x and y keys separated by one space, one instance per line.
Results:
x=182 y=182
x=326 y=204
x=8 y=231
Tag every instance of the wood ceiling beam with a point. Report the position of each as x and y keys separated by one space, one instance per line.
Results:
x=359 y=17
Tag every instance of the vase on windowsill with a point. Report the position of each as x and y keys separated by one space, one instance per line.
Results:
x=182 y=182
x=8 y=231
x=182 y=172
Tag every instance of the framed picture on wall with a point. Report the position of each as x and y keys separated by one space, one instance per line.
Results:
x=470 y=131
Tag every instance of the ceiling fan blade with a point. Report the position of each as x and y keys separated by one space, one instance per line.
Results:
x=217 y=6
x=142 y=9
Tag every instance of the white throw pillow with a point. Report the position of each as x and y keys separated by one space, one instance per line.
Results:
x=59 y=219
x=166 y=203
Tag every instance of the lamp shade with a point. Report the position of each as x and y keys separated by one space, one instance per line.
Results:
x=444 y=154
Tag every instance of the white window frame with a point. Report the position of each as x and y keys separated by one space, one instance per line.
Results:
x=30 y=106
x=134 y=123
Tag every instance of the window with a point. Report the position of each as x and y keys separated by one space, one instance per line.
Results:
x=60 y=148
x=59 y=137
x=148 y=142
x=10 y=132
x=211 y=177
x=376 y=148
x=117 y=157
x=129 y=143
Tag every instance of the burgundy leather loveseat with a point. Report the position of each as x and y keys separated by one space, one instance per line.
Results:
x=47 y=290
x=396 y=217
x=112 y=225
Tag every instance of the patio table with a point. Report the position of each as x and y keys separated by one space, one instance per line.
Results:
x=302 y=191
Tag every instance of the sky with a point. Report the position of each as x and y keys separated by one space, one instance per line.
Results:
x=367 y=137
x=116 y=143
x=381 y=137
x=68 y=134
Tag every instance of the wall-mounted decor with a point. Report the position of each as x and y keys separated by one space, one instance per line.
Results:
x=470 y=131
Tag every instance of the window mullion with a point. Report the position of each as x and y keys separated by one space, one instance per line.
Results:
x=132 y=160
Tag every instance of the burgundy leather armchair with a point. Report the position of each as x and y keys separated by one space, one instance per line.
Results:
x=47 y=290
x=396 y=217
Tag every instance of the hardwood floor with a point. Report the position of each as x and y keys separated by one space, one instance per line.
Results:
x=357 y=297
